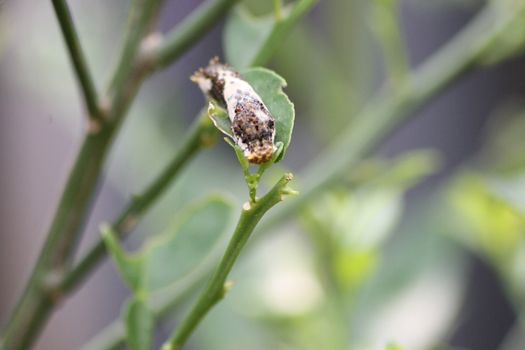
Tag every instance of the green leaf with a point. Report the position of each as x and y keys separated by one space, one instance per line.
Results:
x=128 y=266
x=220 y=119
x=140 y=323
x=270 y=86
x=174 y=254
x=187 y=243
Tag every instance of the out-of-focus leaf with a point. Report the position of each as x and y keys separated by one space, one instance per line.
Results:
x=491 y=226
x=510 y=188
x=244 y=35
x=394 y=347
x=352 y=268
x=358 y=221
x=129 y=267
x=250 y=40
x=407 y=170
x=187 y=243
x=140 y=323
x=270 y=86
x=172 y=255
x=505 y=136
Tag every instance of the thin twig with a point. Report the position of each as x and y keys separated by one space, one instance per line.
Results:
x=251 y=214
x=78 y=59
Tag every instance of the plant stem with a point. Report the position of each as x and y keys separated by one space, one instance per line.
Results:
x=215 y=290
x=77 y=58
x=40 y=295
x=203 y=134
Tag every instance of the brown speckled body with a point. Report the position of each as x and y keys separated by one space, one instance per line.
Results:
x=253 y=126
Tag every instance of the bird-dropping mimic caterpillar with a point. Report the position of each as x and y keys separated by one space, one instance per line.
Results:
x=253 y=126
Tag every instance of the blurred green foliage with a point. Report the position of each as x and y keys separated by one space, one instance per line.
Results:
x=489 y=203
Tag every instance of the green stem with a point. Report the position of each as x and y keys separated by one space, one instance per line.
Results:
x=40 y=295
x=189 y=31
x=215 y=290
x=77 y=58
x=203 y=134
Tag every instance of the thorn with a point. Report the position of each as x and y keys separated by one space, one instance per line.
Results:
x=93 y=126
x=287 y=191
x=130 y=223
x=151 y=42
x=51 y=285
x=148 y=46
x=228 y=285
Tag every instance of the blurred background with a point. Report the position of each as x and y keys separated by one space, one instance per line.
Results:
x=425 y=250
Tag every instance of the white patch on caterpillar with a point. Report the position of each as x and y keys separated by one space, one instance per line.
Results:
x=204 y=84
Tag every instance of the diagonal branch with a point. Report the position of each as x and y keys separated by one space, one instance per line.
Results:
x=78 y=59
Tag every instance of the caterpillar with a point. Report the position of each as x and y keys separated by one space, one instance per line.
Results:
x=252 y=124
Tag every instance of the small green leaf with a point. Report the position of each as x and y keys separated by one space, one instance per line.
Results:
x=270 y=86
x=220 y=119
x=129 y=266
x=187 y=243
x=174 y=254
x=140 y=323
